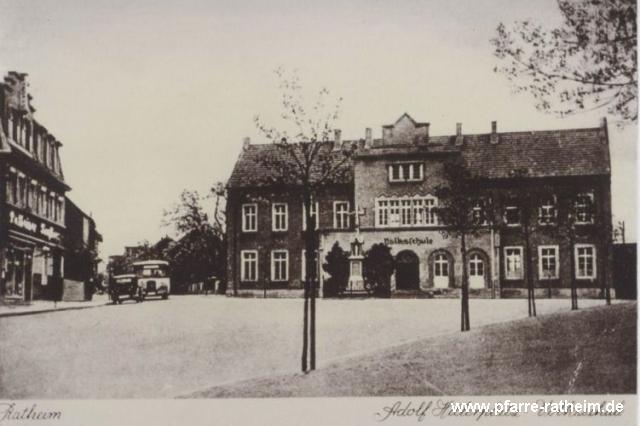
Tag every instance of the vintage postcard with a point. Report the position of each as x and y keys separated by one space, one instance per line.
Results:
x=318 y=212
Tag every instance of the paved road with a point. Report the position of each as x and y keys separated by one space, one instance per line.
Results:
x=161 y=349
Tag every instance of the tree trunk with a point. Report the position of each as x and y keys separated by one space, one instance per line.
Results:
x=305 y=327
x=465 y=322
x=605 y=264
x=309 y=345
x=574 y=290
x=531 y=295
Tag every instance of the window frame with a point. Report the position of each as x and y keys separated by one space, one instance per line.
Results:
x=545 y=206
x=520 y=249
x=243 y=277
x=556 y=273
x=411 y=171
x=245 y=228
x=592 y=213
x=273 y=263
x=512 y=207
x=416 y=212
x=441 y=263
x=594 y=256
x=275 y=214
x=346 y=220
x=479 y=214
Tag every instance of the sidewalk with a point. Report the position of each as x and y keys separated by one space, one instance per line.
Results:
x=42 y=306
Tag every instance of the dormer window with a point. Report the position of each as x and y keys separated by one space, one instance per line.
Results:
x=406 y=172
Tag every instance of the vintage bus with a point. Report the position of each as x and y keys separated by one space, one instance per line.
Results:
x=153 y=278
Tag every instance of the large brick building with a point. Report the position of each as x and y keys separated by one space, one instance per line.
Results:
x=33 y=228
x=391 y=184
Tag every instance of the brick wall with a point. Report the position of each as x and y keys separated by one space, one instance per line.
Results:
x=264 y=240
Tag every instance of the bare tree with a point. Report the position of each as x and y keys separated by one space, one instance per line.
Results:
x=588 y=62
x=305 y=161
x=461 y=210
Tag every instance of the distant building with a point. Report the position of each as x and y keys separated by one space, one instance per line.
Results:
x=388 y=196
x=625 y=270
x=32 y=200
x=81 y=260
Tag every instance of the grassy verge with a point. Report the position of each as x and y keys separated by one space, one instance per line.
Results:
x=582 y=352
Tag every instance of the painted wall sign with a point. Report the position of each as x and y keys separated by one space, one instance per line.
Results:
x=23 y=222
x=409 y=241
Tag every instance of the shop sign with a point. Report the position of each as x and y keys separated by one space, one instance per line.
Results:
x=23 y=222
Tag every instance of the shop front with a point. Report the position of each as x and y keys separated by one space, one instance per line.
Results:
x=32 y=258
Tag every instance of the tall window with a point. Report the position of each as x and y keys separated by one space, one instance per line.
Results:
x=547 y=212
x=584 y=208
x=403 y=172
x=249 y=267
x=441 y=266
x=45 y=150
x=21 y=190
x=11 y=187
x=42 y=193
x=512 y=215
x=279 y=217
x=476 y=266
x=279 y=265
x=36 y=142
x=249 y=217
x=314 y=215
x=585 y=261
x=406 y=212
x=548 y=262
x=49 y=201
x=341 y=214
x=513 y=263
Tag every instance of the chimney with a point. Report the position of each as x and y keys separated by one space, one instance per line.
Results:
x=368 y=138
x=337 y=139
x=459 y=137
x=603 y=122
x=494 y=133
x=604 y=131
x=246 y=142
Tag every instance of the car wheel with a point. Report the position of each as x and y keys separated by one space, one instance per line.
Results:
x=165 y=296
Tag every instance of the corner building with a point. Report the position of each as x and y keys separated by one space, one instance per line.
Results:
x=389 y=197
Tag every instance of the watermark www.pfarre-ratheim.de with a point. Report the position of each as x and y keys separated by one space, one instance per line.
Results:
x=442 y=409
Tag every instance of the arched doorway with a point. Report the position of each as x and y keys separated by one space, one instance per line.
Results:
x=407 y=271
x=440 y=271
x=479 y=269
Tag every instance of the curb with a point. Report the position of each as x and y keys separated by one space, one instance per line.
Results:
x=48 y=310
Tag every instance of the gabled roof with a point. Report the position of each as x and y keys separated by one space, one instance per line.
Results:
x=573 y=152
x=407 y=116
x=252 y=170
x=548 y=153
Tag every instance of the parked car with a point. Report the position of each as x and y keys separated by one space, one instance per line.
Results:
x=123 y=287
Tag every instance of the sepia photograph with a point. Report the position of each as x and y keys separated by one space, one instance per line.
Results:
x=318 y=212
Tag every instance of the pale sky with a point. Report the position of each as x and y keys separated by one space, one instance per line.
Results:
x=152 y=97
